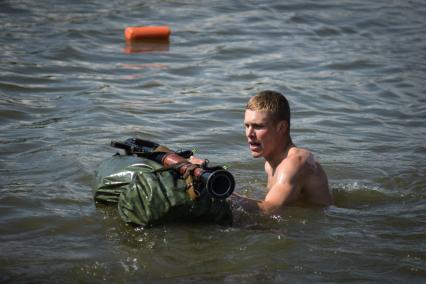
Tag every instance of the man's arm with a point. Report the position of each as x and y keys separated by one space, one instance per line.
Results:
x=280 y=194
x=288 y=181
x=248 y=204
x=274 y=200
x=285 y=187
x=283 y=192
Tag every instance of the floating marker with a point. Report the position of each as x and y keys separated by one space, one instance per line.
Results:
x=147 y=33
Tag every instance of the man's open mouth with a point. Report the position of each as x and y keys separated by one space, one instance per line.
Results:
x=254 y=145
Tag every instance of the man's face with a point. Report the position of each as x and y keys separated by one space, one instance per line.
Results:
x=262 y=134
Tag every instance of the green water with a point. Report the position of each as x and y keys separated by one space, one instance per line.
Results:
x=354 y=74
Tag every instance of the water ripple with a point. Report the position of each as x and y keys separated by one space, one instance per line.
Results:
x=354 y=76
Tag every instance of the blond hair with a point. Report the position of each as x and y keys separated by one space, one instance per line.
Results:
x=273 y=102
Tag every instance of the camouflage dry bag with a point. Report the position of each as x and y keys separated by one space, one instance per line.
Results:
x=147 y=194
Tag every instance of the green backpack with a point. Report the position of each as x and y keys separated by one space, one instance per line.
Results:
x=148 y=194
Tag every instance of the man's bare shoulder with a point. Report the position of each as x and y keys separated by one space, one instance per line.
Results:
x=296 y=151
x=312 y=177
x=296 y=159
x=300 y=157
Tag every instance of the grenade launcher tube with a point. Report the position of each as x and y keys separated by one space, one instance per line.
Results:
x=219 y=183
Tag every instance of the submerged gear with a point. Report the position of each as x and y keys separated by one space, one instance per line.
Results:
x=148 y=193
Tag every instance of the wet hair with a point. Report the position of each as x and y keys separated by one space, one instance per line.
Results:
x=273 y=102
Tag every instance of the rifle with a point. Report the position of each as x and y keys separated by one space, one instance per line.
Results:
x=219 y=182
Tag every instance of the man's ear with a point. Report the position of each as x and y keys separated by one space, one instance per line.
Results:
x=282 y=126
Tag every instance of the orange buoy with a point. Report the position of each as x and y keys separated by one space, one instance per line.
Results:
x=147 y=32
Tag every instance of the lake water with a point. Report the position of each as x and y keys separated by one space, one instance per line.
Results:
x=353 y=71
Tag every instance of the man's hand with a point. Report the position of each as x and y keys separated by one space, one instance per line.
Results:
x=197 y=161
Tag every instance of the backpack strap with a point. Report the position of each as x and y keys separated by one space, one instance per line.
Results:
x=191 y=182
x=189 y=178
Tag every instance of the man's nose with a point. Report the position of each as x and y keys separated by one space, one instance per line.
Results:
x=249 y=131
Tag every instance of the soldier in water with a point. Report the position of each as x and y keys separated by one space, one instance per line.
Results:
x=293 y=174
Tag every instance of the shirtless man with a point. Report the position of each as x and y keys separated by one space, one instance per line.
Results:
x=293 y=174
